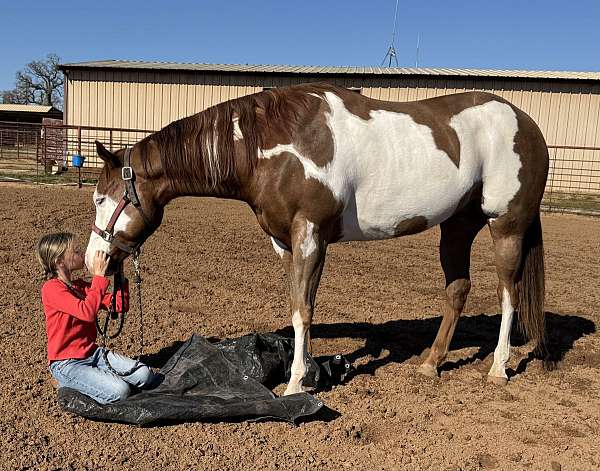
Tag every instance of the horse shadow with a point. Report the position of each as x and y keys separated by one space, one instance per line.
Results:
x=160 y=358
x=400 y=340
x=404 y=339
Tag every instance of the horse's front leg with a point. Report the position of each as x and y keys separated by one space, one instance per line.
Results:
x=303 y=265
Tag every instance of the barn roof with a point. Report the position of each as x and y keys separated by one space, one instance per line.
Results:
x=27 y=108
x=326 y=70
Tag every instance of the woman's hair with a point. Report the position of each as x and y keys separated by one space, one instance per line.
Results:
x=50 y=248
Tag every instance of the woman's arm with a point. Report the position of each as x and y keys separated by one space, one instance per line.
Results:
x=60 y=297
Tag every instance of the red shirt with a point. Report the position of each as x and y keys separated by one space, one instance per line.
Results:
x=71 y=320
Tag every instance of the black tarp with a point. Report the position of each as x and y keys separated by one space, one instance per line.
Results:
x=228 y=380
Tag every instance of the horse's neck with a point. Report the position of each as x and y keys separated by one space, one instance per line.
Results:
x=230 y=178
x=228 y=190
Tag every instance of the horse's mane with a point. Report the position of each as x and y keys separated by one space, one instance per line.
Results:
x=197 y=152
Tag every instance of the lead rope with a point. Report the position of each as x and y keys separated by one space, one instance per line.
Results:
x=106 y=336
x=138 y=288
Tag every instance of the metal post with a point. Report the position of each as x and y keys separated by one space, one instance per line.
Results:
x=79 y=152
x=37 y=160
x=551 y=192
x=110 y=140
x=45 y=158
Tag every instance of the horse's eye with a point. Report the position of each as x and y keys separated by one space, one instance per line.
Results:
x=99 y=201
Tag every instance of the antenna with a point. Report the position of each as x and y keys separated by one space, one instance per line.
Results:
x=391 y=53
x=417 y=54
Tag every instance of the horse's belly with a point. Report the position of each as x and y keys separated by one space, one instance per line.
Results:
x=392 y=211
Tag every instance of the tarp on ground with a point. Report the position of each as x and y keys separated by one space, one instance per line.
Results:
x=203 y=381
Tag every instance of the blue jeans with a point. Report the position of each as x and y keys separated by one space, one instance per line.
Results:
x=92 y=377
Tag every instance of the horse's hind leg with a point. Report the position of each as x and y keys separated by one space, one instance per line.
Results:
x=456 y=240
x=304 y=266
x=507 y=251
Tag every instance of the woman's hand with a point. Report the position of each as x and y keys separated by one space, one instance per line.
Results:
x=100 y=263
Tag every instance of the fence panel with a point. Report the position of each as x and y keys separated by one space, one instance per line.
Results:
x=43 y=153
x=573 y=180
x=19 y=148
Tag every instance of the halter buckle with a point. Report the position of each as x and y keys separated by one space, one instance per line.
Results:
x=126 y=173
x=107 y=236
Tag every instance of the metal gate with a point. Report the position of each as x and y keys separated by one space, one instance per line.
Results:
x=43 y=153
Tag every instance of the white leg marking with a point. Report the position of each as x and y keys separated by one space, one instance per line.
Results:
x=279 y=246
x=299 y=364
x=502 y=352
x=308 y=245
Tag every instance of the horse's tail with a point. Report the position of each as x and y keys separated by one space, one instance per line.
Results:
x=531 y=287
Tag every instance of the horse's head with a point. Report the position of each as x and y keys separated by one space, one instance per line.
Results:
x=128 y=203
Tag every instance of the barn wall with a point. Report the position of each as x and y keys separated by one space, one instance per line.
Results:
x=566 y=111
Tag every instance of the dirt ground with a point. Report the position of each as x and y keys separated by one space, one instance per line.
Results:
x=210 y=269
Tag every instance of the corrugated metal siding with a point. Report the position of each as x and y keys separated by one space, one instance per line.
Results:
x=148 y=100
x=567 y=112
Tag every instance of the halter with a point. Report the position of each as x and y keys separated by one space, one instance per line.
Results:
x=130 y=196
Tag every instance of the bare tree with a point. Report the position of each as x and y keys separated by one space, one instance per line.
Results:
x=17 y=96
x=41 y=82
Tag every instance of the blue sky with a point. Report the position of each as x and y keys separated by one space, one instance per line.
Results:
x=501 y=34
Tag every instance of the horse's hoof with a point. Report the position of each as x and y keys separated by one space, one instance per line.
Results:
x=293 y=389
x=497 y=380
x=428 y=370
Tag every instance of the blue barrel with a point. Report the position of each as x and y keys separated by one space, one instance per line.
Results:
x=77 y=160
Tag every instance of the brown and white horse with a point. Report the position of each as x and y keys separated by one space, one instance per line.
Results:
x=320 y=164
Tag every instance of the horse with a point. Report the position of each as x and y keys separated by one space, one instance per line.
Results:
x=320 y=164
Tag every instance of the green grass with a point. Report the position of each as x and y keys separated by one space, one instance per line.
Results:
x=561 y=201
x=23 y=152
x=67 y=177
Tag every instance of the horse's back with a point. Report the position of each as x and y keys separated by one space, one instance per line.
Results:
x=403 y=167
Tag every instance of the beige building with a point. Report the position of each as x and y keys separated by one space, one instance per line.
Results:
x=149 y=95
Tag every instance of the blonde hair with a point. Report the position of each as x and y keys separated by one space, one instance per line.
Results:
x=50 y=248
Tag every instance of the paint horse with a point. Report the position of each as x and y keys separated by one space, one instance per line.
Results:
x=320 y=164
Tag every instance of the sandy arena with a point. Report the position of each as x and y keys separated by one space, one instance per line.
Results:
x=210 y=269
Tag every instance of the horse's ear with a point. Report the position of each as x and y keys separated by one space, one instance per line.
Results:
x=111 y=159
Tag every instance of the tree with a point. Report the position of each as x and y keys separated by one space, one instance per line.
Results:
x=40 y=83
